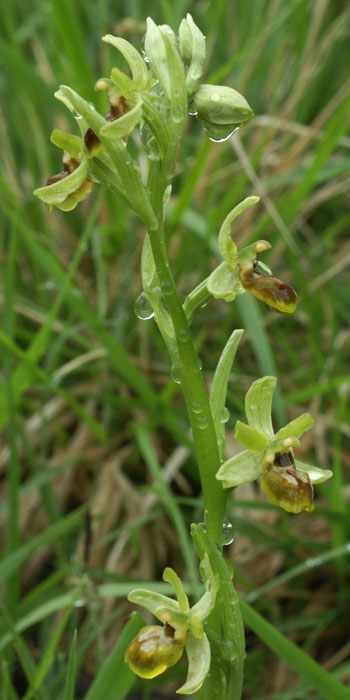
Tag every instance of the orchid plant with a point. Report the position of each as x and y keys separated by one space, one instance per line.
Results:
x=155 y=100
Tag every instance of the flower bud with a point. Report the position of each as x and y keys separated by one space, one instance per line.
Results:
x=153 y=650
x=287 y=487
x=221 y=108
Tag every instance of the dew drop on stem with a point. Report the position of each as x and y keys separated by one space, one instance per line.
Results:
x=202 y=421
x=143 y=308
x=196 y=406
x=175 y=373
x=227 y=533
x=224 y=415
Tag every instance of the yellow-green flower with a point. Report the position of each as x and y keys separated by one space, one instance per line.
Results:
x=286 y=481
x=241 y=271
x=156 y=647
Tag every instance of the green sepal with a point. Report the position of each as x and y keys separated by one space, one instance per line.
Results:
x=296 y=427
x=224 y=283
x=198 y=653
x=250 y=437
x=317 y=475
x=57 y=193
x=227 y=247
x=123 y=126
x=68 y=142
x=240 y=469
x=76 y=103
x=140 y=73
x=258 y=404
x=152 y=601
x=192 y=50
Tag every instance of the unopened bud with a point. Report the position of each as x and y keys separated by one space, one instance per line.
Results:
x=218 y=106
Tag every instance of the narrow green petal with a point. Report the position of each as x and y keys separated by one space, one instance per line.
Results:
x=224 y=283
x=240 y=469
x=198 y=653
x=140 y=73
x=251 y=438
x=123 y=126
x=296 y=427
x=316 y=474
x=56 y=193
x=258 y=402
x=227 y=247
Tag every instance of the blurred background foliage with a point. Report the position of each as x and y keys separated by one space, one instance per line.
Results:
x=88 y=411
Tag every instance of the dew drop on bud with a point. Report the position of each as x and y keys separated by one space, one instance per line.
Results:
x=224 y=415
x=143 y=308
x=227 y=533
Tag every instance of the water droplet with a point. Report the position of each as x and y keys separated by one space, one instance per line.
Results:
x=218 y=136
x=145 y=57
x=79 y=603
x=175 y=373
x=143 y=308
x=202 y=421
x=182 y=335
x=227 y=533
x=224 y=415
x=193 y=113
x=200 y=363
x=196 y=406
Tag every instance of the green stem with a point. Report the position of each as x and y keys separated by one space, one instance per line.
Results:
x=195 y=393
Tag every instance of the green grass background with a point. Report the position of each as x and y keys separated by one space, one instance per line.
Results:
x=88 y=411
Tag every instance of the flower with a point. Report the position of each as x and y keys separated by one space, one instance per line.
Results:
x=156 y=647
x=285 y=480
x=241 y=271
x=73 y=183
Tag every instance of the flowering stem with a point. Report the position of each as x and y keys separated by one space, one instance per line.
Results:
x=195 y=393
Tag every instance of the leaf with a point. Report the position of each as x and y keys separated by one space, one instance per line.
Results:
x=219 y=385
x=296 y=427
x=114 y=679
x=71 y=670
x=258 y=403
x=240 y=469
x=251 y=438
x=327 y=686
x=198 y=653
